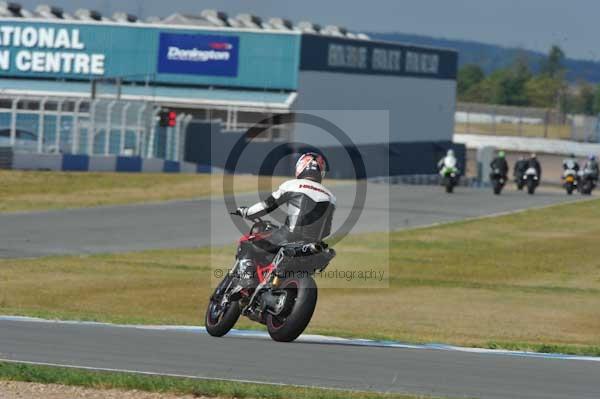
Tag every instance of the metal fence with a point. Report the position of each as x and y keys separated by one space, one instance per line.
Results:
x=90 y=127
x=501 y=120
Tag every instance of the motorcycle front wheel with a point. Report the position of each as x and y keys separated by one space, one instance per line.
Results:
x=531 y=185
x=570 y=189
x=586 y=189
x=449 y=186
x=300 y=303
x=220 y=318
x=497 y=187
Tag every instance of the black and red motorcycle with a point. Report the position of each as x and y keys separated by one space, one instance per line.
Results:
x=286 y=295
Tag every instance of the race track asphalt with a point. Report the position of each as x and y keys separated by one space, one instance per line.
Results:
x=419 y=371
x=203 y=222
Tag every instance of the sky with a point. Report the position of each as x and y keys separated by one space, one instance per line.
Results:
x=530 y=24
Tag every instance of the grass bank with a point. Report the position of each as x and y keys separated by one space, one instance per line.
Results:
x=31 y=190
x=196 y=387
x=524 y=281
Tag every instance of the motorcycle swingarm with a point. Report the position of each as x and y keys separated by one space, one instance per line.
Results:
x=265 y=285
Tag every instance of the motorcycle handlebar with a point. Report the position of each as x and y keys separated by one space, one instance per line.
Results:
x=255 y=220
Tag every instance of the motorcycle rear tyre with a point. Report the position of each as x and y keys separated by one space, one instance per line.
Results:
x=303 y=293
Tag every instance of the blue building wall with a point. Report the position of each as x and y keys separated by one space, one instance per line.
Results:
x=263 y=60
x=207 y=144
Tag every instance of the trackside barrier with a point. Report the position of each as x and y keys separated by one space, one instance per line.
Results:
x=6 y=157
x=424 y=180
x=85 y=163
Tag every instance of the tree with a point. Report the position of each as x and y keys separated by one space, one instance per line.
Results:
x=518 y=78
x=507 y=86
x=468 y=77
x=553 y=64
x=584 y=100
x=543 y=91
x=502 y=87
x=597 y=100
x=520 y=66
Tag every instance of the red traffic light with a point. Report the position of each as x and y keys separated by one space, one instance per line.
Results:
x=168 y=118
x=172 y=119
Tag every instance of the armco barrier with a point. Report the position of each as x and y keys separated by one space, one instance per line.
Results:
x=424 y=180
x=84 y=163
x=129 y=164
x=6 y=157
x=24 y=161
x=75 y=163
x=171 y=167
x=103 y=164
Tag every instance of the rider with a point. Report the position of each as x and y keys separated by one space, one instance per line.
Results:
x=571 y=163
x=500 y=163
x=449 y=161
x=520 y=168
x=310 y=208
x=591 y=168
x=535 y=164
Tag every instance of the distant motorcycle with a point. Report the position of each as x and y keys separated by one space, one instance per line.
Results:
x=449 y=178
x=498 y=180
x=588 y=182
x=570 y=181
x=531 y=180
x=519 y=180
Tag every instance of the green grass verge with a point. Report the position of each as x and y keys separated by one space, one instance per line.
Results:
x=527 y=281
x=196 y=387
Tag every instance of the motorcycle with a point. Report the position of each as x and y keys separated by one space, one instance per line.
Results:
x=519 y=181
x=570 y=181
x=286 y=295
x=531 y=180
x=449 y=178
x=498 y=180
x=588 y=182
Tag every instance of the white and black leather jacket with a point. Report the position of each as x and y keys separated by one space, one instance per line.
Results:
x=310 y=208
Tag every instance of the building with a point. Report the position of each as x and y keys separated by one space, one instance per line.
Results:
x=91 y=85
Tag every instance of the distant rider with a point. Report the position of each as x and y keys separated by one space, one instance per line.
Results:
x=310 y=208
x=591 y=168
x=448 y=162
x=535 y=164
x=571 y=163
x=520 y=167
x=500 y=164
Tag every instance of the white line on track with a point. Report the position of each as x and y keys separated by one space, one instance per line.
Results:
x=309 y=338
x=155 y=374
x=500 y=214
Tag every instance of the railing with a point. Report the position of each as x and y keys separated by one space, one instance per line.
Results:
x=500 y=120
x=91 y=127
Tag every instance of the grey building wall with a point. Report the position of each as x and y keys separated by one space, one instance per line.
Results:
x=418 y=109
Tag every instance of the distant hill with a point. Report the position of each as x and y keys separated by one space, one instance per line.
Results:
x=491 y=57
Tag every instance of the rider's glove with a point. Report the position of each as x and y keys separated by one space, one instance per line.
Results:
x=242 y=211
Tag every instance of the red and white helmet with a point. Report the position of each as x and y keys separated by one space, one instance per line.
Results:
x=311 y=165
